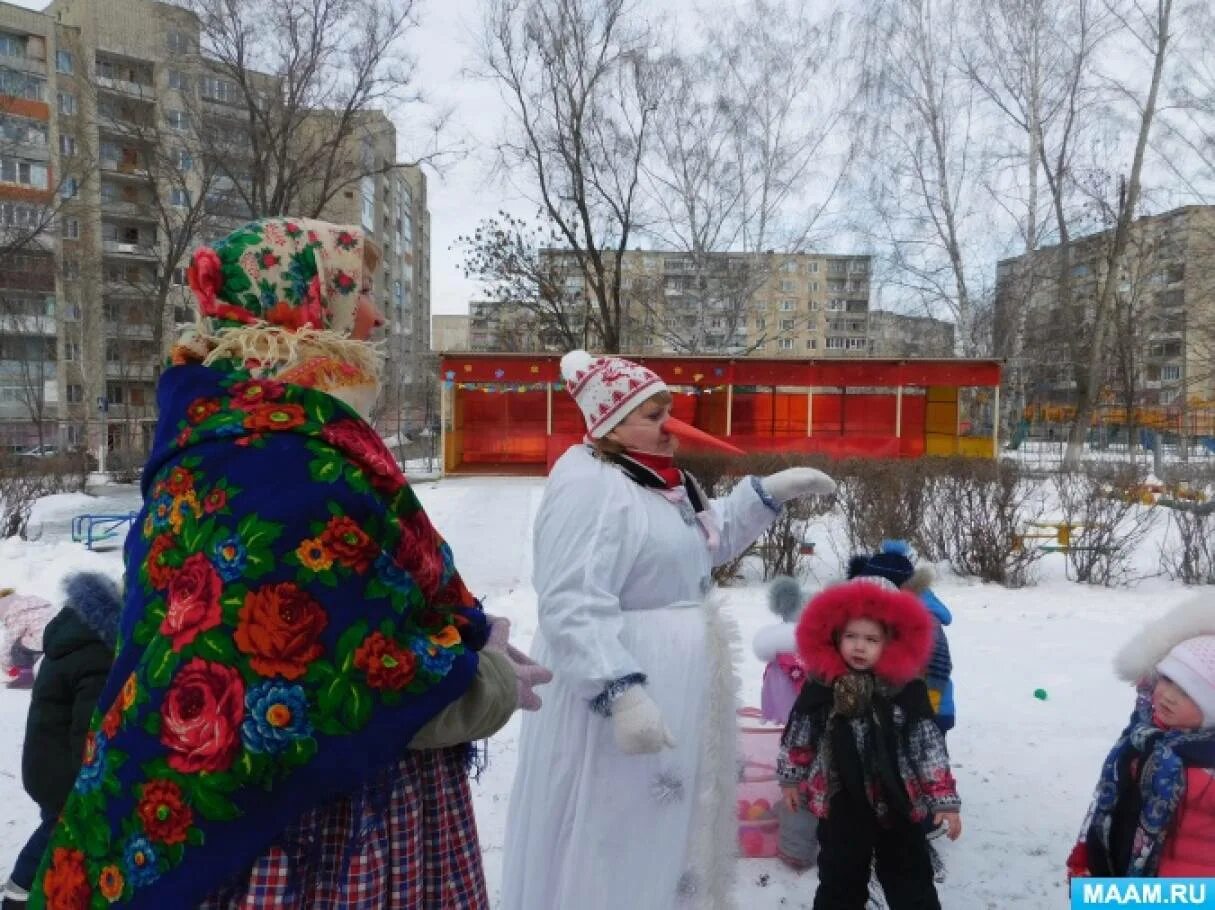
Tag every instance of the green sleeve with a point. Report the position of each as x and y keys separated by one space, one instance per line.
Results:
x=480 y=712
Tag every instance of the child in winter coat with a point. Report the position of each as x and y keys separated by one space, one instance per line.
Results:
x=861 y=748
x=776 y=647
x=1153 y=814
x=78 y=645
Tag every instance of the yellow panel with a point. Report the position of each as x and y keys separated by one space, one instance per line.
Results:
x=940 y=444
x=976 y=447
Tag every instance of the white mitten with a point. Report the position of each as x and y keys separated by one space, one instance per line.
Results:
x=792 y=483
x=637 y=723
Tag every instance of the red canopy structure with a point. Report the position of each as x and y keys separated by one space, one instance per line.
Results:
x=510 y=413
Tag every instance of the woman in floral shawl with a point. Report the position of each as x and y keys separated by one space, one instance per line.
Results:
x=292 y=621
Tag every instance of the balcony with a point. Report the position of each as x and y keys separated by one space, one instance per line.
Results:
x=14 y=324
x=134 y=90
x=129 y=331
x=123 y=170
x=140 y=211
x=130 y=371
x=116 y=248
x=127 y=290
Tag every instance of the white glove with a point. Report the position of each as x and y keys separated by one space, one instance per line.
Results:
x=637 y=723
x=792 y=483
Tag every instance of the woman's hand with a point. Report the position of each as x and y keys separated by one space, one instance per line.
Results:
x=793 y=483
x=952 y=821
x=637 y=724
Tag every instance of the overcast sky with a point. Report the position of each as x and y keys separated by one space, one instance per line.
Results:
x=462 y=193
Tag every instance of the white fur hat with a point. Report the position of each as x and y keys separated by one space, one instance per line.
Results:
x=1180 y=645
x=607 y=388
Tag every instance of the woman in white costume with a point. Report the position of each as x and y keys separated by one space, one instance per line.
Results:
x=624 y=794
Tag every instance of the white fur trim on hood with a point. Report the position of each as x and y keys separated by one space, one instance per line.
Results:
x=1138 y=658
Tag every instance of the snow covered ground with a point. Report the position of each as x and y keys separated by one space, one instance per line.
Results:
x=1025 y=766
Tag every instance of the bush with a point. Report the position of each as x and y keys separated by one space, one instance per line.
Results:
x=23 y=480
x=1188 y=554
x=1098 y=500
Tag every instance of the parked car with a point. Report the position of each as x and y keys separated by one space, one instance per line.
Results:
x=43 y=451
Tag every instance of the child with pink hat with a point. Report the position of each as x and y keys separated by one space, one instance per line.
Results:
x=1153 y=814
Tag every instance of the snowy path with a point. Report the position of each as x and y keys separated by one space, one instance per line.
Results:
x=1025 y=767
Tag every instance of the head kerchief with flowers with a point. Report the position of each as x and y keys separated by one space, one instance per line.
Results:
x=287 y=272
x=278 y=299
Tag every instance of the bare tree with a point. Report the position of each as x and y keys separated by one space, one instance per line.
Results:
x=285 y=93
x=745 y=126
x=580 y=88
x=1149 y=26
x=508 y=255
x=1032 y=61
x=917 y=132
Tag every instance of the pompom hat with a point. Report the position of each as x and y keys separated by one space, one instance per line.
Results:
x=607 y=389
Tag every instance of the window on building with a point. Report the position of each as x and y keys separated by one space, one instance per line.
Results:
x=835 y=344
x=67 y=103
x=71 y=228
x=11 y=45
x=15 y=214
x=71 y=350
x=185 y=161
x=179 y=276
x=814 y=269
x=1170 y=372
x=63 y=61
x=177 y=120
x=113 y=393
x=179 y=197
x=789 y=266
x=214 y=88
x=21 y=130
x=811 y=344
x=178 y=41
x=786 y=324
x=71 y=267
x=69 y=188
x=788 y=306
x=857 y=344
x=26 y=173
x=837 y=267
x=788 y=285
x=67 y=145
x=785 y=344
x=75 y=393
x=22 y=85
x=760 y=322
x=178 y=81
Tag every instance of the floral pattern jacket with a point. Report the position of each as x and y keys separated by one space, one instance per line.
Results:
x=291 y=620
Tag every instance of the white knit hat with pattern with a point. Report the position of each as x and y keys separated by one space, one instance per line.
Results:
x=607 y=388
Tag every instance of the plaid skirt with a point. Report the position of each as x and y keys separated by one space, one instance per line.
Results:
x=406 y=840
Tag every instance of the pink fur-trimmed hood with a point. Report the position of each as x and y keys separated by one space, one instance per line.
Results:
x=905 y=618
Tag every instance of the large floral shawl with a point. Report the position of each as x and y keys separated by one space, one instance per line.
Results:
x=291 y=620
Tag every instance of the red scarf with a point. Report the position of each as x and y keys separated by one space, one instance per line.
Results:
x=662 y=465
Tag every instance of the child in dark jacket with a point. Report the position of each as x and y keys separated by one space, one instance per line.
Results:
x=861 y=748
x=1153 y=814
x=78 y=648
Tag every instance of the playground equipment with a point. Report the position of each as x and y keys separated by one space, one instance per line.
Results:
x=93 y=529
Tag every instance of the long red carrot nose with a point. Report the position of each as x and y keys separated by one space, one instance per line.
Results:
x=698 y=439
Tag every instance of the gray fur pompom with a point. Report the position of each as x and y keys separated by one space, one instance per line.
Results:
x=785 y=597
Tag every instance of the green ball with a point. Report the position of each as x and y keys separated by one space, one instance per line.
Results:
x=1040 y=694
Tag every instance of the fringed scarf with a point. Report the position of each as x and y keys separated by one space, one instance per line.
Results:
x=1141 y=785
x=291 y=620
x=854 y=759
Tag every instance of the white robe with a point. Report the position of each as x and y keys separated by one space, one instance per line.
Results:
x=622 y=579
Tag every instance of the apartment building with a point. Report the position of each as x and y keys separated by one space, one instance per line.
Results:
x=108 y=113
x=449 y=333
x=900 y=335
x=1162 y=336
x=769 y=304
